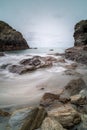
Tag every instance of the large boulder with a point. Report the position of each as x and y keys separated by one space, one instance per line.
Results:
x=65 y=115
x=74 y=86
x=48 y=99
x=10 y=39
x=51 y=124
x=27 y=118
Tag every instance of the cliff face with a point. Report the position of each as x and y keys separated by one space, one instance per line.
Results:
x=80 y=34
x=10 y=39
x=79 y=51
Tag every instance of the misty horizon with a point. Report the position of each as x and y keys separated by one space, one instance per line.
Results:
x=44 y=23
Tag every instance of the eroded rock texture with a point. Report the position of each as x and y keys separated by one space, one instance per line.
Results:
x=10 y=39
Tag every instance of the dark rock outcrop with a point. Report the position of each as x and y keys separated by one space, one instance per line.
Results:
x=80 y=34
x=79 y=51
x=77 y=54
x=10 y=39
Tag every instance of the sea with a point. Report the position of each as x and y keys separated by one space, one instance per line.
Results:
x=18 y=89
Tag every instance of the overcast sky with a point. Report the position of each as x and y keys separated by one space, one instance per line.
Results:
x=44 y=21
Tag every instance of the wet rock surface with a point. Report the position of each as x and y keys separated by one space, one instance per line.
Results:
x=30 y=64
x=66 y=115
x=27 y=118
x=80 y=33
x=10 y=39
x=75 y=86
x=76 y=54
x=51 y=124
x=79 y=51
x=48 y=99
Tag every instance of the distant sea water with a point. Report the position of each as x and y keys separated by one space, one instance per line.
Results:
x=13 y=57
x=37 y=51
x=21 y=89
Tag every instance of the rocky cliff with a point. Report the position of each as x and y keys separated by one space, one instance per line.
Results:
x=10 y=39
x=80 y=34
x=79 y=51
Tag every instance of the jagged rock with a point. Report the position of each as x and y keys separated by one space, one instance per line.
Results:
x=51 y=124
x=80 y=34
x=4 y=113
x=38 y=61
x=30 y=64
x=66 y=115
x=10 y=39
x=64 y=98
x=19 y=69
x=48 y=99
x=76 y=54
x=74 y=86
x=79 y=51
x=27 y=118
x=78 y=99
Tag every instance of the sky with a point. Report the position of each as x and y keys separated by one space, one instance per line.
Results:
x=44 y=23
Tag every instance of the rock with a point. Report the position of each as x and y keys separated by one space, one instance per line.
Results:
x=30 y=64
x=48 y=99
x=79 y=51
x=64 y=98
x=57 y=54
x=27 y=119
x=78 y=99
x=19 y=69
x=80 y=34
x=31 y=61
x=72 y=73
x=38 y=61
x=75 y=86
x=62 y=60
x=51 y=50
x=83 y=124
x=66 y=115
x=2 y=54
x=4 y=113
x=76 y=54
x=10 y=39
x=4 y=66
x=72 y=66
x=51 y=124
